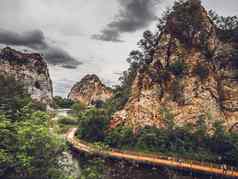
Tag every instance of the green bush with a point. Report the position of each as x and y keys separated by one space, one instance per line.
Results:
x=28 y=149
x=63 y=102
x=93 y=169
x=201 y=71
x=13 y=97
x=68 y=121
x=178 y=68
x=118 y=100
x=92 y=125
x=187 y=25
x=77 y=108
x=120 y=137
x=152 y=139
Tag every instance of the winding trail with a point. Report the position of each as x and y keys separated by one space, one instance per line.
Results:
x=155 y=160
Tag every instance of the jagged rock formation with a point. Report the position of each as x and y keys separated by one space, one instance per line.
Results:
x=31 y=70
x=193 y=74
x=89 y=90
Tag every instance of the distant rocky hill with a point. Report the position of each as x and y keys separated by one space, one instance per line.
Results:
x=31 y=70
x=89 y=90
x=192 y=75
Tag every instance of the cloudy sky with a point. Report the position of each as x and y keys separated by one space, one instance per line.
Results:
x=78 y=37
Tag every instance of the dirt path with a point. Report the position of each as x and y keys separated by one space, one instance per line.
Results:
x=154 y=160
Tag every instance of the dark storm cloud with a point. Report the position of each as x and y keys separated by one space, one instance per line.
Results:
x=32 y=39
x=56 y=55
x=37 y=41
x=134 y=15
x=108 y=35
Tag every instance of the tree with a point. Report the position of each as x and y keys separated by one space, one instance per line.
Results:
x=152 y=139
x=63 y=102
x=93 y=169
x=148 y=44
x=28 y=149
x=92 y=125
x=227 y=27
x=178 y=68
x=224 y=23
x=186 y=25
x=77 y=108
x=120 y=137
x=13 y=97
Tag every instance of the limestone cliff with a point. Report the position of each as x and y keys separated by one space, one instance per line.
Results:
x=192 y=74
x=31 y=70
x=89 y=90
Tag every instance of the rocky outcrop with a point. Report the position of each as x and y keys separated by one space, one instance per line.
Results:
x=193 y=74
x=89 y=90
x=31 y=70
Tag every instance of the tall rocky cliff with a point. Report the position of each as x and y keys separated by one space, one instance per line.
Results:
x=31 y=70
x=89 y=90
x=192 y=74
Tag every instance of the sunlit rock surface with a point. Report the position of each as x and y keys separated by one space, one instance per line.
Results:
x=208 y=88
x=31 y=70
x=90 y=90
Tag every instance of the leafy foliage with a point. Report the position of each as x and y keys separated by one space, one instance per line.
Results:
x=120 y=137
x=178 y=68
x=118 y=100
x=202 y=71
x=191 y=141
x=63 y=102
x=92 y=169
x=77 y=108
x=68 y=121
x=27 y=147
x=227 y=27
x=93 y=124
x=187 y=25
x=13 y=97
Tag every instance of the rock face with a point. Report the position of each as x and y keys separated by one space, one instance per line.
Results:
x=193 y=74
x=89 y=90
x=31 y=70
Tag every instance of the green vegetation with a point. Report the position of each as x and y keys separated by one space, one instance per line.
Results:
x=27 y=147
x=202 y=71
x=69 y=120
x=190 y=142
x=187 y=25
x=178 y=68
x=63 y=102
x=13 y=97
x=77 y=107
x=66 y=122
x=120 y=137
x=93 y=123
x=227 y=27
x=92 y=169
